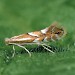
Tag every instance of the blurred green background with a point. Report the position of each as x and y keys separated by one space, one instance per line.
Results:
x=21 y=16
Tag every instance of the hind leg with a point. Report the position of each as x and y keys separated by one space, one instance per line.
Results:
x=23 y=48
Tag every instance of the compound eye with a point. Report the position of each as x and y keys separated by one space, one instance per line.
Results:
x=57 y=32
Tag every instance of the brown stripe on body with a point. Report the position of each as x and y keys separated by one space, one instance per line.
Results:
x=17 y=39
